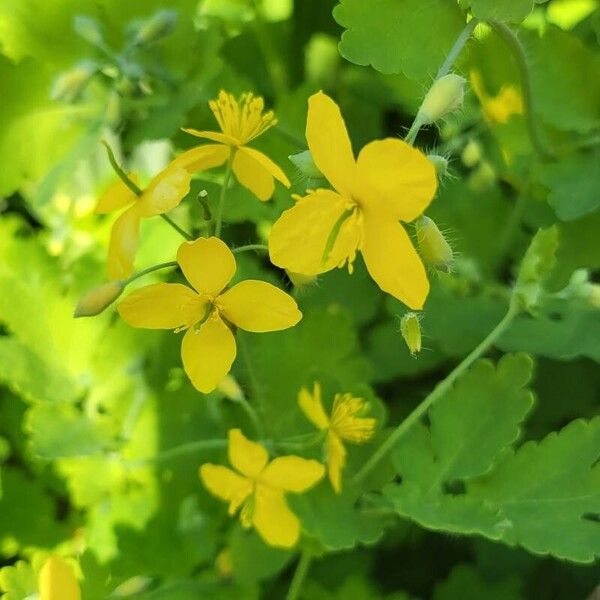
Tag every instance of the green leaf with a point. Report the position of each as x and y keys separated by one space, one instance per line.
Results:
x=412 y=36
x=574 y=183
x=18 y=581
x=513 y=11
x=465 y=582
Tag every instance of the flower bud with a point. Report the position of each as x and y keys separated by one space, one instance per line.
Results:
x=471 y=154
x=230 y=388
x=483 y=177
x=440 y=164
x=433 y=247
x=57 y=581
x=445 y=96
x=99 y=299
x=69 y=86
x=156 y=27
x=410 y=328
x=306 y=165
x=223 y=564
x=299 y=280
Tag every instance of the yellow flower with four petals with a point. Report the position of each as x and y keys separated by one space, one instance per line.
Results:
x=344 y=425
x=163 y=194
x=389 y=182
x=240 y=122
x=258 y=488
x=207 y=311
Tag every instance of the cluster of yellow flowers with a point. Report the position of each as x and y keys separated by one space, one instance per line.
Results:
x=390 y=183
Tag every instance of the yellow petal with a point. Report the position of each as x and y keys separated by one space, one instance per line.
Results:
x=202 y=157
x=393 y=262
x=162 y=306
x=329 y=143
x=207 y=263
x=225 y=484
x=336 y=461
x=259 y=306
x=292 y=473
x=117 y=196
x=165 y=191
x=252 y=175
x=248 y=457
x=56 y=581
x=267 y=164
x=208 y=353
x=395 y=178
x=124 y=238
x=299 y=237
x=215 y=136
x=273 y=519
x=312 y=406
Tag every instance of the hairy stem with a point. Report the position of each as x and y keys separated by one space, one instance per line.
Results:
x=299 y=576
x=248 y=247
x=440 y=390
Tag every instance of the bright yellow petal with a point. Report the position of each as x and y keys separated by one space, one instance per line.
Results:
x=393 y=262
x=336 y=461
x=252 y=175
x=267 y=164
x=329 y=143
x=165 y=191
x=208 y=353
x=248 y=457
x=226 y=484
x=123 y=244
x=395 y=178
x=116 y=196
x=312 y=406
x=299 y=237
x=162 y=306
x=273 y=519
x=202 y=158
x=292 y=474
x=259 y=306
x=215 y=136
x=57 y=581
x=347 y=422
x=207 y=263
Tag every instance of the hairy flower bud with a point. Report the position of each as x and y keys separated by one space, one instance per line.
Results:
x=156 y=27
x=445 y=96
x=410 y=328
x=99 y=298
x=440 y=164
x=471 y=154
x=433 y=247
x=69 y=86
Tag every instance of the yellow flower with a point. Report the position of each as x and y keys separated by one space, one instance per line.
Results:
x=258 y=487
x=207 y=312
x=344 y=425
x=390 y=182
x=499 y=108
x=163 y=194
x=56 y=581
x=240 y=122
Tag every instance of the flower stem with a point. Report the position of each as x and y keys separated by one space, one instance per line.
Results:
x=137 y=190
x=139 y=274
x=252 y=414
x=226 y=178
x=438 y=392
x=257 y=247
x=181 y=450
x=451 y=57
x=299 y=576
x=509 y=37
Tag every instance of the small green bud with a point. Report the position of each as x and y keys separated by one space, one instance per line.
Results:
x=89 y=29
x=471 y=154
x=99 y=299
x=483 y=177
x=306 y=165
x=156 y=27
x=445 y=96
x=433 y=247
x=410 y=328
x=69 y=86
x=440 y=164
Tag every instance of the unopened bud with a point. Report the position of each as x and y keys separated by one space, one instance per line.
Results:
x=410 y=328
x=230 y=388
x=57 y=580
x=99 y=299
x=471 y=154
x=156 y=27
x=306 y=165
x=89 y=29
x=440 y=164
x=69 y=86
x=445 y=96
x=224 y=564
x=482 y=178
x=433 y=247
x=299 y=280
